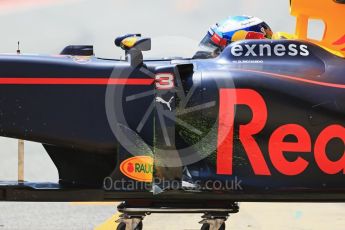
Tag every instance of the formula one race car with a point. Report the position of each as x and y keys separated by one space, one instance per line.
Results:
x=264 y=121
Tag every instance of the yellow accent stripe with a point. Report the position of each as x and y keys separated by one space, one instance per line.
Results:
x=110 y=223
x=129 y=42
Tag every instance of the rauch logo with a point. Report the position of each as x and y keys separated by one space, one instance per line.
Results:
x=138 y=168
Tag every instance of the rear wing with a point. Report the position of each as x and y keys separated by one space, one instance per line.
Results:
x=331 y=12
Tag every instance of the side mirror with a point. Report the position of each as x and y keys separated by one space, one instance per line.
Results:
x=133 y=41
x=133 y=45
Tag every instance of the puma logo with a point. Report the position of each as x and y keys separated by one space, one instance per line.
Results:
x=167 y=103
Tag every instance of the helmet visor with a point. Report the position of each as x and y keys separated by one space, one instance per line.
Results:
x=207 y=45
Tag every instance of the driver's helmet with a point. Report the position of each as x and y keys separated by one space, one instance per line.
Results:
x=230 y=30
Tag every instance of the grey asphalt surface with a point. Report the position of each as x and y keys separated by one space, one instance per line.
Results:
x=176 y=27
x=252 y=216
x=52 y=216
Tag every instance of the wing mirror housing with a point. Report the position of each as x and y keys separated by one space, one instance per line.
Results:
x=133 y=45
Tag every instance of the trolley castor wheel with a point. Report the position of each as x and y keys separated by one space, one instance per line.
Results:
x=214 y=221
x=208 y=227
x=122 y=226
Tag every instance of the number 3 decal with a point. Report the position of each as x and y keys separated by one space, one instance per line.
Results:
x=165 y=81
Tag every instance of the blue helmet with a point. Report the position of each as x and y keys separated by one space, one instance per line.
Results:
x=233 y=29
